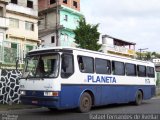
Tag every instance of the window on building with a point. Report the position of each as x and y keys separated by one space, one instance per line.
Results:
x=102 y=66
x=75 y=4
x=52 y=39
x=150 y=72
x=118 y=68
x=52 y=2
x=14 y=45
x=141 y=70
x=13 y=22
x=28 y=48
x=130 y=69
x=29 y=26
x=67 y=68
x=86 y=64
x=39 y=22
x=66 y=17
x=14 y=1
x=1 y=11
x=65 y=1
x=29 y=4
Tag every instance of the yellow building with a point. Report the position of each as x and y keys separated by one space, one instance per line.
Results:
x=21 y=32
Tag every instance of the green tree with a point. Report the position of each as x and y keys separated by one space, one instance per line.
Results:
x=154 y=54
x=148 y=56
x=87 y=36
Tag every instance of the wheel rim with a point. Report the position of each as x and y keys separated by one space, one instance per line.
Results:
x=86 y=103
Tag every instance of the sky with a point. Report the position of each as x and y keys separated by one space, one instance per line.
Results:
x=136 y=21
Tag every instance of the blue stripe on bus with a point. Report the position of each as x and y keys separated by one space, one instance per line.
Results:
x=70 y=95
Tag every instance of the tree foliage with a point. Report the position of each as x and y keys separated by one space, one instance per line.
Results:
x=87 y=36
x=147 y=55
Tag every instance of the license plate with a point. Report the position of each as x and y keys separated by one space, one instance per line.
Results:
x=34 y=102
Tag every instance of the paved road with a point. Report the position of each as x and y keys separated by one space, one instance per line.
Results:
x=125 y=110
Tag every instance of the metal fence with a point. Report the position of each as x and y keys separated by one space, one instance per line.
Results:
x=9 y=55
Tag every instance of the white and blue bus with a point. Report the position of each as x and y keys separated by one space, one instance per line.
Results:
x=65 y=78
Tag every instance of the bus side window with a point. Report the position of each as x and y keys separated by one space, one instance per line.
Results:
x=118 y=68
x=86 y=64
x=67 y=67
x=102 y=66
x=141 y=70
x=150 y=72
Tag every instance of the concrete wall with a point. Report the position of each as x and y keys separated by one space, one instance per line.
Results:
x=44 y=4
x=67 y=38
x=72 y=21
x=47 y=40
x=9 y=86
x=24 y=3
x=21 y=32
x=48 y=20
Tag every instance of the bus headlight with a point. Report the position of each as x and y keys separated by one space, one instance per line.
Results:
x=50 y=93
x=23 y=92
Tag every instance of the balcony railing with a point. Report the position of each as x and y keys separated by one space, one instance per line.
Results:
x=4 y=22
x=118 y=50
x=22 y=9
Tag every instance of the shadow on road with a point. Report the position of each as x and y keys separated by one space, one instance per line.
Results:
x=112 y=106
x=55 y=112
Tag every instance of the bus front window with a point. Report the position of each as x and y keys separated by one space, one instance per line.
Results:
x=42 y=66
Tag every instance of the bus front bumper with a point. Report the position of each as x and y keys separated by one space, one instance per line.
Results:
x=51 y=102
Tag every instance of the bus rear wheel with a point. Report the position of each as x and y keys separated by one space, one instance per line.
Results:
x=85 y=103
x=139 y=98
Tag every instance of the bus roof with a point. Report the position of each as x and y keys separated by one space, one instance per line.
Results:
x=71 y=49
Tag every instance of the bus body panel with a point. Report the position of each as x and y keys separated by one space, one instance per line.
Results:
x=103 y=94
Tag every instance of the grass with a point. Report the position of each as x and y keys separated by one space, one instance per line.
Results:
x=6 y=107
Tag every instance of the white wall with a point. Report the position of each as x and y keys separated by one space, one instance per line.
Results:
x=47 y=40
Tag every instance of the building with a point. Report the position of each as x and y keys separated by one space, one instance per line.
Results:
x=156 y=61
x=117 y=46
x=57 y=20
x=20 y=31
x=3 y=26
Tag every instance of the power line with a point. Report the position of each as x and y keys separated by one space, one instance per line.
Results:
x=142 y=49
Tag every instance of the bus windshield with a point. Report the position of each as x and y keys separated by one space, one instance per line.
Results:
x=42 y=66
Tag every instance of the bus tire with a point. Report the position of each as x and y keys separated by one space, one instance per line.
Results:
x=139 y=98
x=85 y=103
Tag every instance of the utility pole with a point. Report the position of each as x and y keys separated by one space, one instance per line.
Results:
x=57 y=15
x=141 y=52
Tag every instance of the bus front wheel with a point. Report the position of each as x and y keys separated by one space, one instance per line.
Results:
x=139 y=98
x=85 y=103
